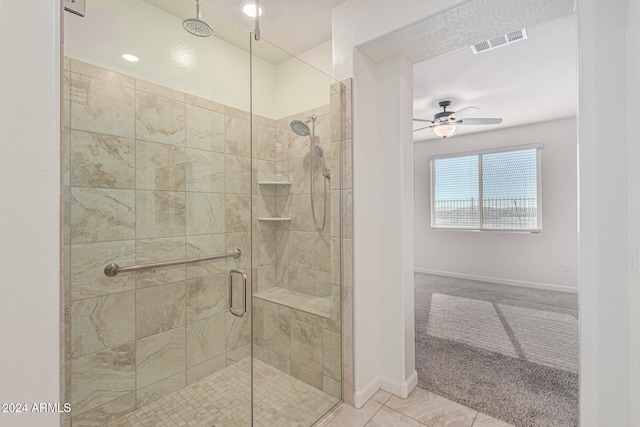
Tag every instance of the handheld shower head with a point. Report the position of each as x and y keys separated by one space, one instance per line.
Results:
x=319 y=151
x=197 y=26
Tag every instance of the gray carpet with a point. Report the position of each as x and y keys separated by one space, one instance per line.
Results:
x=506 y=351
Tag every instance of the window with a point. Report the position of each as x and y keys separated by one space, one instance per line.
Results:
x=490 y=190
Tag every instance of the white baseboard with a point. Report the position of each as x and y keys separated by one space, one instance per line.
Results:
x=400 y=389
x=360 y=397
x=501 y=281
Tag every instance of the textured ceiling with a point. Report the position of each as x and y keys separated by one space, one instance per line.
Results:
x=529 y=81
x=464 y=25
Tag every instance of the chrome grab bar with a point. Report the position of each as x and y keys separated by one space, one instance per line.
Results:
x=113 y=269
x=233 y=311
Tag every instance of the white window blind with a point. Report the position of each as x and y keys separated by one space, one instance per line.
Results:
x=496 y=190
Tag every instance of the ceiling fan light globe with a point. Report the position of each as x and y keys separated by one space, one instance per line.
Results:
x=445 y=130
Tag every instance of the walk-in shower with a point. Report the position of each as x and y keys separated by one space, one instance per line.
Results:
x=301 y=128
x=221 y=303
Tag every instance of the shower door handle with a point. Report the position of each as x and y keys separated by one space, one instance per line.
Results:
x=233 y=311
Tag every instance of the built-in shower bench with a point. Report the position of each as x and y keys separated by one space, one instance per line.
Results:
x=292 y=299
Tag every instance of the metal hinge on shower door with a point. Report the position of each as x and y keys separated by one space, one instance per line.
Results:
x=233 y=311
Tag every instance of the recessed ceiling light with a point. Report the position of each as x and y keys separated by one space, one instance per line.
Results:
x=130 y=58
x=248 y=7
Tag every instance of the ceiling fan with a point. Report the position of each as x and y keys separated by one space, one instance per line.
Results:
x=444 y=123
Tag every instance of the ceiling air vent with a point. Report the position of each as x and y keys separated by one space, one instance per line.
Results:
x=499 y=41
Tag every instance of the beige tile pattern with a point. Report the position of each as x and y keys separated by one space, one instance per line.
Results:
x=152 y=174
x=433 y=410
x=420 y=409
x=224 y=399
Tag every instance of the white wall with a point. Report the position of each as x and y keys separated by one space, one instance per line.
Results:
x=320 y=57
x=524 y=259
x=207 y=67
x=604 y=283
x=29 y=218
x=633 y=160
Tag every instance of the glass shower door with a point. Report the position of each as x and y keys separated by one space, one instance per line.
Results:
x=157 y=160
x=296 y=218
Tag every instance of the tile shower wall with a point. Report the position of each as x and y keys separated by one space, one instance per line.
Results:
x=151 y=174
x=293 y=255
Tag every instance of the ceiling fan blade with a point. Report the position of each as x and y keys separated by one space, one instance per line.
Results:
x=423 y=120
x=465 y=112
x=425 y=127
x=479 y=121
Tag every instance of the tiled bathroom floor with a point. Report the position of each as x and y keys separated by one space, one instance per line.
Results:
x=422 y=408
x=223 y=399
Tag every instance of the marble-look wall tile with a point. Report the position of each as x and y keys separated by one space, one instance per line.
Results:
x=101 y=73
x=237 y=213
x=307 y=375
x=102 y=377
x=331 y=355
x=347 y=214
x=347 y=164
x=266 y=142
x=102 y=161
x=306 y=345
x=299 y=170
x=160 y=356
x=206 y=171
x=159 y=250
x=66 y=155
x=240 y=241
x=300 y=211
x=160 y=214
x=332 y=387
x=238 y=330
x=159 y=309
x=160 y=119
x=282 y=363
x=238 y=354
x=348 y=385
x=206 y=213
x=237 y=174
x=301 y=279
x=207 y=368
x=101 y=107
x=238 y=113
x=276 y=333
x=237 y=136
x=88 y=261
x=102 y=415
x=205 y=339
x=162 y=388
x=160 y=167
x=99 y=215
x=336 y=114
x=323 y=281
x=163 y=91
x=265 y=279
x=102 y=322
x=207 y=297
x=204 y=103
x=205 y=129
x=201 y=246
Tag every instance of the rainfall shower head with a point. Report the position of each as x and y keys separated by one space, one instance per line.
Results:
x=301 y=127
x=197 y=26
